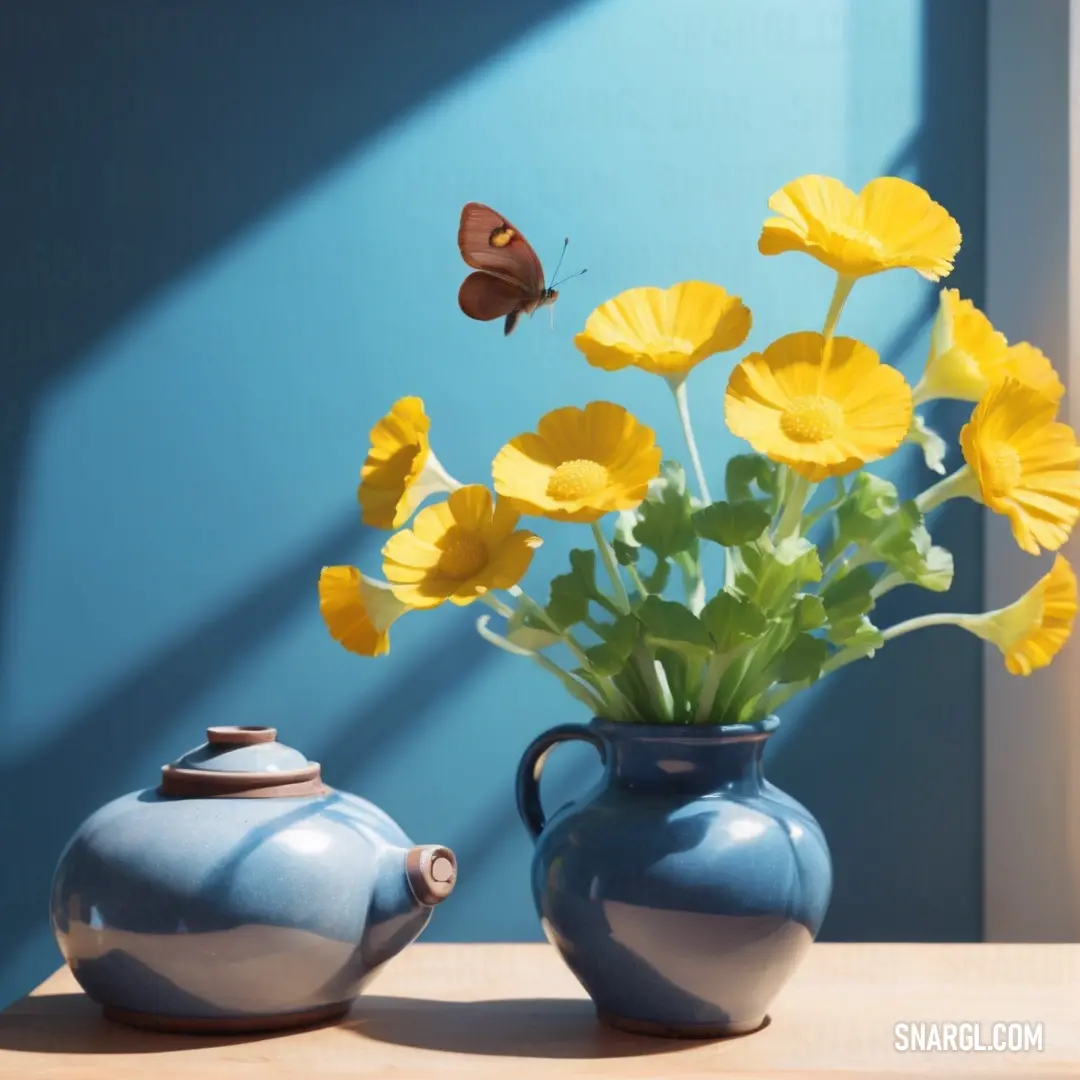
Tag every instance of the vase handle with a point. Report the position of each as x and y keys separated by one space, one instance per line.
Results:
x=532 y=765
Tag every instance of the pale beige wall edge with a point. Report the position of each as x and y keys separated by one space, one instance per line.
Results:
x=1032 y=735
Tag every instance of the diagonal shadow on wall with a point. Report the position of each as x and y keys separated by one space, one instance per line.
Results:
x=140 y=137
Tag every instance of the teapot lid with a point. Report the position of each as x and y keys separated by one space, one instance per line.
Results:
x=241 y=763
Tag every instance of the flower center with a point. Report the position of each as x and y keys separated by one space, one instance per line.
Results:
x=464 y=554
x=811 y=419
x=577 y=479
x=1002 y=469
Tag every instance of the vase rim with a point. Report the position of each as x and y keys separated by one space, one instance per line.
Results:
x=759 y=729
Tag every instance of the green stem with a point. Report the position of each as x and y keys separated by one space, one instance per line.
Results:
x=887 y=584
x=793 y=508
x=773 y=698
x=836 y=305
x=811 y=519
x=622 y=601
x=576 y=686
x=921 y=622
x=497 y=605
x=612 y=697
x=646 y=665
x=635 y=577
x=683 y=406
x=682 y=403
x=718 y=664
x=961 y=484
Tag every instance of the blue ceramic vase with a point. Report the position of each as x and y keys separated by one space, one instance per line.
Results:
x=684 y=889
x=240 y=894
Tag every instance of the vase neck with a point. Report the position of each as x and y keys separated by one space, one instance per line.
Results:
x=695 y=760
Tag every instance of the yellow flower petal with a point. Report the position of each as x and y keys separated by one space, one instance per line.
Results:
x=967 y=356
x=357 y=611
x=1024 y=362
x=1026 y=464
x=890 y=223
x=458 y=550
x=1032 y=631
x=664 y=331
x=821 y=420
x=400 y=470
x=579 y=465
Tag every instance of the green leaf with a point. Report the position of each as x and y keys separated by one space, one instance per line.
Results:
x=731 y=620
x=809 y=612
x=744 y=471
x=611 y=654
x=571 y=593
x=731 y=523
x=891 y=532
x=869 y=503
x=671 y=626
x=905 y=545
x=847 y=600
x=664 y=524
x=770 y=575
x=625 y=544
x=850 y=595
x=937 y=569
x=859 y=634
x=800 y=661
x=933 y=446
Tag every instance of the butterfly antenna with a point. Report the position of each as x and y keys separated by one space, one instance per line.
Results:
x=569 y=277
x=562 y=253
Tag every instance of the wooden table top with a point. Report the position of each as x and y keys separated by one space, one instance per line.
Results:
x=515 y=1012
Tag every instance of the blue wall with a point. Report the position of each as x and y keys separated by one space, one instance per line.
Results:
x=229 y=244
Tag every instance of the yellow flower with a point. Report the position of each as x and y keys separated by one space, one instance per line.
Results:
x=890 y=223
x=400 y=471
x=1032 y=631
x=820 y=419
x=967 y=355
x=664 y=331
x=1025 y=464
x=357 y=610
x=580 y=464
x=1028 y=364
x=458 y=550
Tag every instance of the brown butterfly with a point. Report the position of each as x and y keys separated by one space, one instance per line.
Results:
x=508 y=278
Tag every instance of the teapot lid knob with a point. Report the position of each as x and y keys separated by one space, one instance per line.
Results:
x=241 y=736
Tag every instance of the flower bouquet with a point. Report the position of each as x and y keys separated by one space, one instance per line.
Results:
x=684 y=889
x=810 y=541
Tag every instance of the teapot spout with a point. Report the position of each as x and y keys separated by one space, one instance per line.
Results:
x=432 y=872
x=410 y=883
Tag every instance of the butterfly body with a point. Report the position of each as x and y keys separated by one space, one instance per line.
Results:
x=507 y=279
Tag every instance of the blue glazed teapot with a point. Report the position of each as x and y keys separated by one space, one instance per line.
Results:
x=240 y=894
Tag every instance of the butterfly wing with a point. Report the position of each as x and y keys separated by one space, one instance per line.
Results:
x=488 y=241
x=484 y=296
